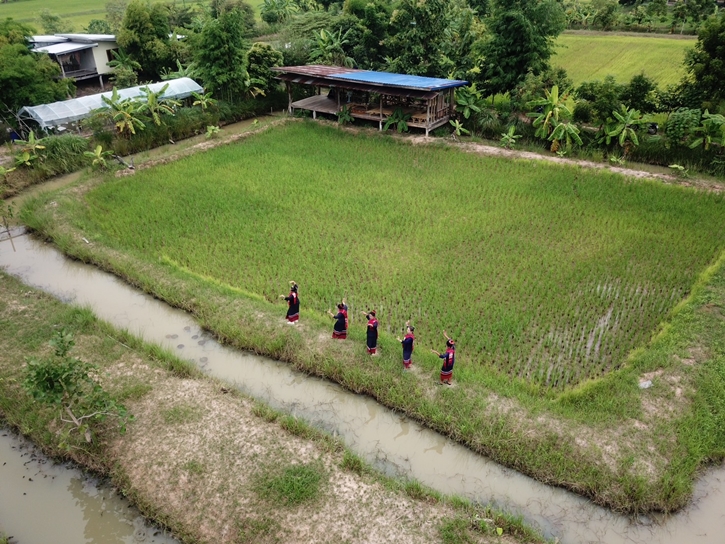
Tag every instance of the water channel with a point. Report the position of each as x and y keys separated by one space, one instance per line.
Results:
x=43 y=502
x=391 y=442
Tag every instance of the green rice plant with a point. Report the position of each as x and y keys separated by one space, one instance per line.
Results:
x=543 y=273
x=591 y=56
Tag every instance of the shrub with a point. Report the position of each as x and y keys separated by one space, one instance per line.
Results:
x=62 y=154
x=680 y=126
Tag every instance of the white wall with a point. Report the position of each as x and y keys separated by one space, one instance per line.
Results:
x=101 y=56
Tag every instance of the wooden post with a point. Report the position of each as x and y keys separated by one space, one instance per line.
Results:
x=100 y=80
x=380 y=123
x=289 y=97
x=338 y=100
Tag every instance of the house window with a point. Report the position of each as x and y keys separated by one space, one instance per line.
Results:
x=109 y=54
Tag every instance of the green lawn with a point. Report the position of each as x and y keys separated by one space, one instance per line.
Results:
x=547 y=273
x=587 y=57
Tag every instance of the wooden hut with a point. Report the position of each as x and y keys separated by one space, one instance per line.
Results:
x=427 y=102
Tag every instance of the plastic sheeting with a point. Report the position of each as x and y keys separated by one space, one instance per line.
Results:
x=67 y=111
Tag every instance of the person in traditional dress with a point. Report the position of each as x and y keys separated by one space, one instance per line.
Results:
x=372 y=332
x=339 y=331
x=449 y=359
x=293 y=304
x=407 y=342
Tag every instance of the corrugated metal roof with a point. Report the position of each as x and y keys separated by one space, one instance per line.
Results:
x=67 y=111
x=356 y=86
x=317 y=70
x=401 y=80
x=379 y=79
x=64 y=48
x=46 y=38
x=89 y=38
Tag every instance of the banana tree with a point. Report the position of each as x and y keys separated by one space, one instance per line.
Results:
x=155 y=105
x=98 y=157
x=204 y=101
x=566 y=132
x=624 y=128
x=4 y=172
x=124 y=113
x=327 y=48
x=712 y=131
x=31 y=146
x=468 y=100
x=553 y=111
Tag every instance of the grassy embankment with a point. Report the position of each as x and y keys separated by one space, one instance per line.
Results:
x=215 y=466
x=545 y=275
x=592 y=56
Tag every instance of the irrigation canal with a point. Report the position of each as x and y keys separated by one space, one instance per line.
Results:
x=391 y=442
x=42 y=502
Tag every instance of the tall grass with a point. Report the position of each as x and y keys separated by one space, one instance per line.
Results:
x=545 y=273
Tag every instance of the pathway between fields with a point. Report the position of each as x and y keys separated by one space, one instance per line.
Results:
x=482 y=149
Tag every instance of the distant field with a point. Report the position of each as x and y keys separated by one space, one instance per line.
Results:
x=587 y=57
x=78 y=12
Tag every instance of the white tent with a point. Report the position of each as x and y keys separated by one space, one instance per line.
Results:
x=67 y=111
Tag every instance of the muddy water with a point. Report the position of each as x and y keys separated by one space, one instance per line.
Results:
x=393 y=443
x=42 y=502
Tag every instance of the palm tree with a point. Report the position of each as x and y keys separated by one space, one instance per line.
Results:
x=123 y=113
x=154 y=103
x=624 y=128
x=327 y=48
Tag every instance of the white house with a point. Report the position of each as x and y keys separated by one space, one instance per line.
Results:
x=80 y=56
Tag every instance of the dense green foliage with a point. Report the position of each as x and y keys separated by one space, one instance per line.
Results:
x=71 y=385
x=522 y=34
x=564 y=272
x=144 y=34
x=706 y=62
x=26 y=78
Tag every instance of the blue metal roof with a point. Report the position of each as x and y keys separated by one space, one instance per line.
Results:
x=399 y=80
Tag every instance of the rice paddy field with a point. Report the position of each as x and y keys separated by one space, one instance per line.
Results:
x=77 y=12
x=589 y=56
x=545 y=273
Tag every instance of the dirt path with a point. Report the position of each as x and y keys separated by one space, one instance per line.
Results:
x=493 y=151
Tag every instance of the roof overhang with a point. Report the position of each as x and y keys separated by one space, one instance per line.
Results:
x=64 y=48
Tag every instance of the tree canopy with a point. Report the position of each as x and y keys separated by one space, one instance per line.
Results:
x=26 y=78
x=705 y=63
x=521 y=40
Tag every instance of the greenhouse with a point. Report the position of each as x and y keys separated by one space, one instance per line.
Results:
x=68 y=111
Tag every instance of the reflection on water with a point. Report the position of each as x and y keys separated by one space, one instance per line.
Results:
x=394 y=444
x=42 y=502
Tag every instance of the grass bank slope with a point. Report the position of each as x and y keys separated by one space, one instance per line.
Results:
x=591 y=56
x=415 y=219
x=215 y=466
